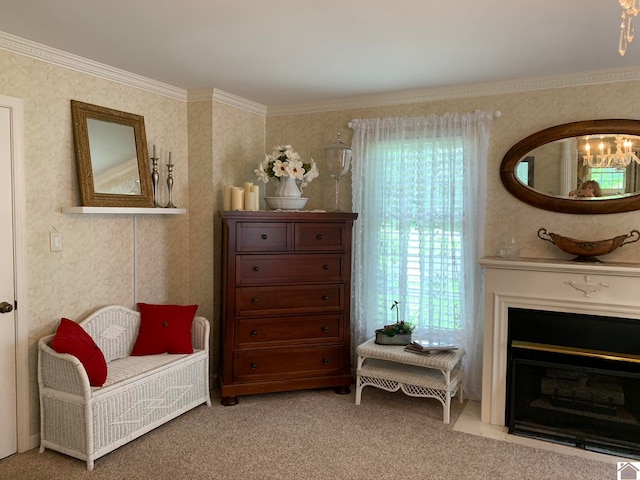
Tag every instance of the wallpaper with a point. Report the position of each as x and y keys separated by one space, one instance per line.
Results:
x=106 y=259
x=522 y=114
x=223 y=142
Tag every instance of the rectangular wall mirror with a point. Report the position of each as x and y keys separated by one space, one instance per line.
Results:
x=112 y=157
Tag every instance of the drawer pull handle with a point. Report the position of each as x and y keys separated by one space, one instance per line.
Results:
x=254 y=333
x=326 y=267
x=325 y=361
x=325 y=297
x=320 y=236
x=253 y=365
x=325 y=329
x=256 y=269
x=264 y=236
x=254 y=301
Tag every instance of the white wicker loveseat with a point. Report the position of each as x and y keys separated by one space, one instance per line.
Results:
x=140 y=393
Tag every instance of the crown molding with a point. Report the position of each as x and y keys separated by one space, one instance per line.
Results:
x=463 y=91
x=217 y=95
x=38 y=51
x=21 y=46
x=239 y=102
x=200 y=95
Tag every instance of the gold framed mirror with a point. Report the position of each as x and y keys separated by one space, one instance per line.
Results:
x=568 y=163
x=111 y=156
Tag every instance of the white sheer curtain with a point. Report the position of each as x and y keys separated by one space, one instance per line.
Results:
x=419 y=187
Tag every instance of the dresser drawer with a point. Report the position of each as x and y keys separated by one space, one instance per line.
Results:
x=288 y=330
x=289 y=268
x=273 y=300
x=263 y=237
x=320 y=236
x=286 y=363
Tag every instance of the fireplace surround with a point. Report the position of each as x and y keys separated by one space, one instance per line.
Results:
x=552 y=289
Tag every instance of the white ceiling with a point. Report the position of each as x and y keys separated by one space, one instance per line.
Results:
x=285 y=52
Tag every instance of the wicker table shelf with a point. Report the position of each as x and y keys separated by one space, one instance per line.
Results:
x=391 y=368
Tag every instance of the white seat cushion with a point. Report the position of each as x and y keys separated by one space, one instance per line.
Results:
x=122 y=371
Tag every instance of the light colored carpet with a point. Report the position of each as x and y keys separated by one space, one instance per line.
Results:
x=313 y=435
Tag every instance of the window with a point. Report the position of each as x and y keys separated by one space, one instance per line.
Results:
x=421 y=245
x=609 y=178
x=524 y=171
x=419 y=190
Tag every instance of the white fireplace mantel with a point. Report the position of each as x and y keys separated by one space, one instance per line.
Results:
x=606 y=289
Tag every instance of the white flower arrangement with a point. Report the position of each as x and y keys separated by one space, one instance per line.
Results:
x=284 y=162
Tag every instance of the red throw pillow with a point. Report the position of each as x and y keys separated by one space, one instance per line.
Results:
x=72 y=338
x=164 y=329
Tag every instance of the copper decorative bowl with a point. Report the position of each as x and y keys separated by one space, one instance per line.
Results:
x=586 y=250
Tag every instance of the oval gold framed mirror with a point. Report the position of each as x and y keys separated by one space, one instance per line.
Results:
x=549 y=168
x=112 y=158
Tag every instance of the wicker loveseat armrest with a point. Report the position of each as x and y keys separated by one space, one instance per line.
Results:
x=200 y=333
x=61 y=371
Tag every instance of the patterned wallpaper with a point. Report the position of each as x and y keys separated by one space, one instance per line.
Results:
x=522 y=114
x=96 y=266
x=223 y=143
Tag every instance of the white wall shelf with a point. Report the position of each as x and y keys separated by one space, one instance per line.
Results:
x=124 y=210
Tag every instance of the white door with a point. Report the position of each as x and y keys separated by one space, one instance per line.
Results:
x=8 y=390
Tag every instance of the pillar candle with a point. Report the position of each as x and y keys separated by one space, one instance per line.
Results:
x=237 y=198
x=249 y=200
x=248 y=197
x=247 y=186
x=256 y=190
x=227 y=198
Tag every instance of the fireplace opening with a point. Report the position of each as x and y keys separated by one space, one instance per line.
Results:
x=575 y=379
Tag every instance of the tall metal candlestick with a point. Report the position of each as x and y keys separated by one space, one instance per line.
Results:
x=155 y=178
x=170 y=182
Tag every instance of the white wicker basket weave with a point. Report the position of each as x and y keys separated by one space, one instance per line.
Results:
x=392 y=368
x=140 y=394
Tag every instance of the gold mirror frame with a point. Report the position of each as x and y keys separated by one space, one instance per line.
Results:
x=80 y=113
x=559 y=132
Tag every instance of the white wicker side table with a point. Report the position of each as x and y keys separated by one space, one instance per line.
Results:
x=391 y=368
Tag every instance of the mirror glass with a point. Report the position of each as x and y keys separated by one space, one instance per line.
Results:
x=111 y=153
x=563 y=166
x=581 y=167
x=113 y=157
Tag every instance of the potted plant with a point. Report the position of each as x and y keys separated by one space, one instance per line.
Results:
x=398 y=333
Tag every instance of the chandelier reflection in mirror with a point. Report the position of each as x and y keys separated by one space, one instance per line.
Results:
x=630 y=9
x=605 y=158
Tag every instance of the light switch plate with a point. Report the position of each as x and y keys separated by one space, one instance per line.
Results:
x=55 y=241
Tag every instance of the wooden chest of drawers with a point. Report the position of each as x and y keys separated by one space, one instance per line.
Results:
x=286 y=302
